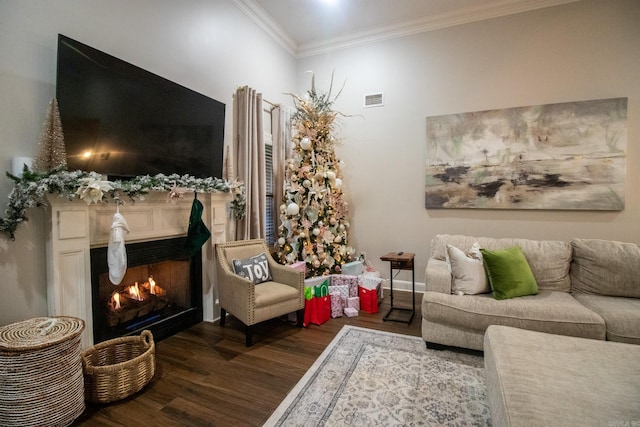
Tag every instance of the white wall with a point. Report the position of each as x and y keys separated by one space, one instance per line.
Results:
x=579 y=51
x=206 y=45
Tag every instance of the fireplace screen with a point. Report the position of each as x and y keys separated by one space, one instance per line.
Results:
x=161 y=290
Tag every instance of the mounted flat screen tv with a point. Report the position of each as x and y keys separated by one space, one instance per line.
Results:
x=122 y=121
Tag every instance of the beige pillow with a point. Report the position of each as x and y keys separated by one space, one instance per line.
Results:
x=467 y=270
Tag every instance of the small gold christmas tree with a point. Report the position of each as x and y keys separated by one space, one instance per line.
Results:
x=52 y=153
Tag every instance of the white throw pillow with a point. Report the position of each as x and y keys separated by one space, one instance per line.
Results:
x=467 y=270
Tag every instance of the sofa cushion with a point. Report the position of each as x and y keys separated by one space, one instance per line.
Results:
x=536 y=379
x=621 y=315
x=467 y=271
x=548 y=311
x=549 y=259
x=509 y=273
x=605 y=267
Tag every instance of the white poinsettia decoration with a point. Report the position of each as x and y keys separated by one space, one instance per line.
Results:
x=92 y=190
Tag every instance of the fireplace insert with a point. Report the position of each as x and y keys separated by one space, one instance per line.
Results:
x=161 y=290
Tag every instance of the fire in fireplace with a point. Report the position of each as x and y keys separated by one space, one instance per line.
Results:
x=161 y=290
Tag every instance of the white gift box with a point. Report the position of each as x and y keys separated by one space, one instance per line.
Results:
x=350 y=312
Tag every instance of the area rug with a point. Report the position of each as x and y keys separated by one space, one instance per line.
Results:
x=373 y=378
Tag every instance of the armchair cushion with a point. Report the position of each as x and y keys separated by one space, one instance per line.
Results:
x=255 y=268
x=270 y=293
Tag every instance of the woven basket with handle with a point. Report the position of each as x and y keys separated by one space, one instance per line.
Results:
x=117 y=368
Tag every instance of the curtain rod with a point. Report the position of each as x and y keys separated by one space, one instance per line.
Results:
x=263 y=100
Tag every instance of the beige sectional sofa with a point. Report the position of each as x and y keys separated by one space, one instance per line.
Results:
x=538 y=379
x=586 y=288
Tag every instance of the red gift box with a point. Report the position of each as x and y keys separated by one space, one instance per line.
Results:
x=368 y=300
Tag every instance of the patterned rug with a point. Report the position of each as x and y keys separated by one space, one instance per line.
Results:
x=373 y=378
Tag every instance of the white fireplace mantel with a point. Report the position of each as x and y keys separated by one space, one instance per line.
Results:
x=75 y=227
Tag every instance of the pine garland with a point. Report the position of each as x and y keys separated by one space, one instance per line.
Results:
x=31 y=190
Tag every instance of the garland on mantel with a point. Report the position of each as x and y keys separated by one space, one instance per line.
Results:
x=31 y=189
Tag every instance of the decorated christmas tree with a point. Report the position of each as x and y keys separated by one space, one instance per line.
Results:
x=52 y=153
x=313 y=213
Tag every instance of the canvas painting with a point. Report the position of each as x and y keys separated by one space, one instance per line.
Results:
x=566 y=156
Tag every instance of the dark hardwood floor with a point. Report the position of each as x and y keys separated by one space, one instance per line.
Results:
x=205 y=376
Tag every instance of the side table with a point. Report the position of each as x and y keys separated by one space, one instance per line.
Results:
x=401 y=261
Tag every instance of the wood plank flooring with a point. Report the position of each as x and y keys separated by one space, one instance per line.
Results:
x=205 y=376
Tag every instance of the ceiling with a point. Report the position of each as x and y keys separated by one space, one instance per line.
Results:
x=309 y=27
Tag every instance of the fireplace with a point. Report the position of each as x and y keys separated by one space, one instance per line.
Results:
x=161 y=290
x=76 y=229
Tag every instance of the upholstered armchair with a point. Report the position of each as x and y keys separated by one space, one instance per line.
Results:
x=253 y=303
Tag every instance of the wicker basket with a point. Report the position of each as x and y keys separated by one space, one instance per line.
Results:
x=118 y=368
x=40 y=372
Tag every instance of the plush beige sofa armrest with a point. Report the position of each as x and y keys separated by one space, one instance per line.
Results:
x=438 y=276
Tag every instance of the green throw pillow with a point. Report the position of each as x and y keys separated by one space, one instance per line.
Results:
x=509 y=273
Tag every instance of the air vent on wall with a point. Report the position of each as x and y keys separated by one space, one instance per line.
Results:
x=374 y=99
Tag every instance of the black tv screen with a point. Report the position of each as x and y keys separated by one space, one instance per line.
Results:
x=122 y=121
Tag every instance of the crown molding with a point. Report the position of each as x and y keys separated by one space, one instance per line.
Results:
x=473 y=13
x=261 y=18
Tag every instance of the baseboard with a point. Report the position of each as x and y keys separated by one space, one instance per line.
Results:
x=403 y=285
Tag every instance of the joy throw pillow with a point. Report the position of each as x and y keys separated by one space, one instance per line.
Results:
x=509 y=273
x=255 y=268
x=467 y=271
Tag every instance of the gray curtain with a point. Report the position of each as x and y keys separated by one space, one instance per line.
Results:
x=282 y=145
x=250 y=161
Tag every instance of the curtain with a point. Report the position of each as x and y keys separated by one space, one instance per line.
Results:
x=281 y=129
x=250 y=161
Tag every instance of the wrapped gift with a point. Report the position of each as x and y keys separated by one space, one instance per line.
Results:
x=353 y=268
x=345 y=279
x=380 y=292
x=319 y=285
x=321 y=290
x=368 y=267
x=308 y=292
x=317 y=305
x=300 y=266
x=353 y=302
x=317 y=310
x=337 y=306
x=372 y=280
x=342 y=289
x=350 y=312
x=368 y=300
x=315 y=281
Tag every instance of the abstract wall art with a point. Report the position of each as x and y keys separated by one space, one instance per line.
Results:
x=566 y=156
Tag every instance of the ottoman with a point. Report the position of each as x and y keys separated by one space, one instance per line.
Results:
x=539 y=379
